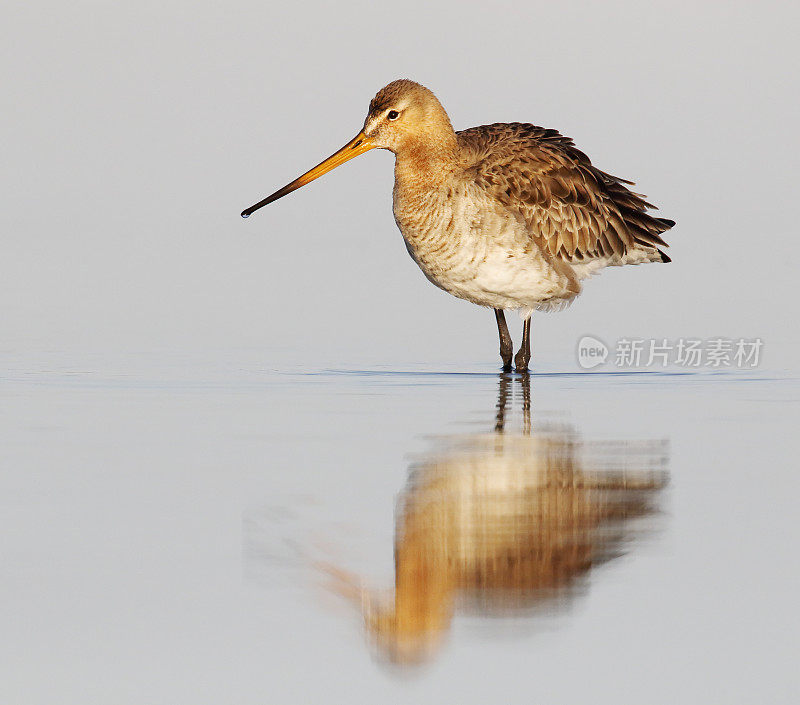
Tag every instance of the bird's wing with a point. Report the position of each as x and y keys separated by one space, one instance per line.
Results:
x=573 y=210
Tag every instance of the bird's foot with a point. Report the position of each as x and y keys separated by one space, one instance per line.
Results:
x=521 y=363
x=506 y=356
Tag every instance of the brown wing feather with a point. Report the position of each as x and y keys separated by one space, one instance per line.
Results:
x=573 y=210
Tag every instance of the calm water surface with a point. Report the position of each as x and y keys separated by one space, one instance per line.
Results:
x=179 y=530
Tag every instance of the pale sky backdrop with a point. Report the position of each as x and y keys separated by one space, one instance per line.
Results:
x=135 y=133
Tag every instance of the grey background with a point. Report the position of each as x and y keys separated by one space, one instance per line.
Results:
x=135 y=133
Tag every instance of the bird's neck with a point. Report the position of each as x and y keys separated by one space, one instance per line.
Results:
x=429 y=160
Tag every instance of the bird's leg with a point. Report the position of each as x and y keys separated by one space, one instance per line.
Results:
x=506 y=344
x=523 y=357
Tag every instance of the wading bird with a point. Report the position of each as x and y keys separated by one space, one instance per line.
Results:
x=509 y=216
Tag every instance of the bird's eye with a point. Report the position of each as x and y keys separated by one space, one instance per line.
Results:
x=393 y=115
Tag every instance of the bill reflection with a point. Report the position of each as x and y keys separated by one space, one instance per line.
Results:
x=508 y=523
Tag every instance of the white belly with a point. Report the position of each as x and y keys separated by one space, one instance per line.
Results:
x=477 y=251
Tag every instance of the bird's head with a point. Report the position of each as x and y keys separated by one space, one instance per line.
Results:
x=404 y=117
x=404 y=114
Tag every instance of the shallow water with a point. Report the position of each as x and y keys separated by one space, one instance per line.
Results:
x=184 y=530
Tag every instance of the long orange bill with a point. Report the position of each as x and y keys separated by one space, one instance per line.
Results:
x=358 y=145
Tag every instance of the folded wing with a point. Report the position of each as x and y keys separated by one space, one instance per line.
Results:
x=573 y=210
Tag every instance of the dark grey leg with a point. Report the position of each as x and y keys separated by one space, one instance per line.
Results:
x=506 y=344
x=523 y=357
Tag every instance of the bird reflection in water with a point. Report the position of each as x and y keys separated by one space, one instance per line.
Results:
x=504 y=523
